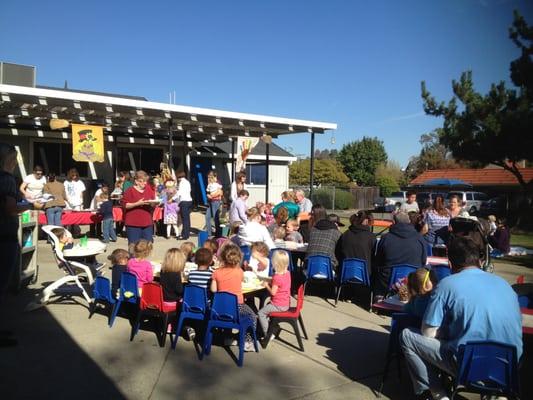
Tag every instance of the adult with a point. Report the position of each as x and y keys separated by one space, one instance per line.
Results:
x=238 y=185
x=238 y=208
x=455 y=208
x=184 y=200
x=323 y=236
x=303 y=202
x=410 y=204
x=54 y=208
x=501 y=239
x=460 y=311
x=288 y=201
x=103 y=188
x=138 y=209
x=437 y=219
x=253 y=231
x=74 y=189
x=358 y=241
x=127 y=179
x=32 y=186
x=214 y=201
x=401 y=245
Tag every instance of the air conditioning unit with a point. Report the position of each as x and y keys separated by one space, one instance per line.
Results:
x=16 y=74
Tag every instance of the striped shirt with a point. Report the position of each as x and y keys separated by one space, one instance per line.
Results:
x=200 y=278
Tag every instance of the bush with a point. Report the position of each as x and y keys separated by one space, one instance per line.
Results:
x=387 y=185
x=343 y=200
x=324 y=197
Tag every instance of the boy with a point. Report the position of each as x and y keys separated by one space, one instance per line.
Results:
x=119 y=261
x=106 y=210
x=65 y=241
x=202 y=275
x=292 y=232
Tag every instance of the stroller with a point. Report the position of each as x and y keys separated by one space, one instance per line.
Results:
x=477 y=230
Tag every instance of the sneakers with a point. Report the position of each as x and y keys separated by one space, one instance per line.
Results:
x=249 y=346
x=229 y=341
x=191 y=333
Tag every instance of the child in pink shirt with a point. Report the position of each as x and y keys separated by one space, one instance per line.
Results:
x=138 y=265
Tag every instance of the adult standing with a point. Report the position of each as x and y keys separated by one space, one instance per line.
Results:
x=303 y=202
x=127 y=179
x=74 y=188
x=410 y=205
x=437 y=220
x=238 y=209
x=214 y=201
x=54 y=208
x=32 y=186
x=253 y=231
x=323 y=236
x=288 y=201
x=461 y=311
x=138 y=209
x=184 y=200
x=454 y=207
x=238 y=185
x=358 y=241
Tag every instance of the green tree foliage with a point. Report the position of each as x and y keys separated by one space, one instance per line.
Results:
x=361 y=158
x=327 y=172
x=387 y=184
x=495 y=127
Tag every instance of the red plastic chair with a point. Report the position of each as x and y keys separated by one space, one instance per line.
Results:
x=293 y=315
x=152 y=305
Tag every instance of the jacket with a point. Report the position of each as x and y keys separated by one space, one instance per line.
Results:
x=323 y=240
x=358 y=242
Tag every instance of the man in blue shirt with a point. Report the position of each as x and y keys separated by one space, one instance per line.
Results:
x=469 y=305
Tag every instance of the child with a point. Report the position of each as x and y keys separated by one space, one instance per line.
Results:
x=259 y=262
x=280 y=290
x=292 y=234
x=228 y=278
x=419 y=286
x=501 y=239
x=170 y=277
x=202 y=275
x=492 y=224
x=171 y=209
x=211 y=245
x=106 y=210
x=278 y=234
x=119 y=261
x=214 y=197
x=138 y=265
x=234 y=233
x=187 y=249
x=65 y=241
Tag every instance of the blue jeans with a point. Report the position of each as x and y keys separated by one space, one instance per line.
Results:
x=213 y=211
x=185 y=213
x=53 y=215
x=135 y=233
x=424 y=356
x=108 y=230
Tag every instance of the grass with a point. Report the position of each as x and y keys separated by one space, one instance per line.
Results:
x=523 y=240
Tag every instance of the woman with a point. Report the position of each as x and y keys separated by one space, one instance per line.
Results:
x=74 y=189
x=289 y=202
x=127 y=180
x=359 y=241
x=238 y=185
x=214 y=200
x=184 y=200
x=323 y=236
x=280 y=220
x=437 y=220
x=138 y=209
x=54 y=208
x=454 y=207
x=254 y=231
x=32 y=186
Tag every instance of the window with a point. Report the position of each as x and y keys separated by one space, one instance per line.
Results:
x=147 y=159
x=481 y=196
x=470 y=196
x=57 y=158
x=256 y=174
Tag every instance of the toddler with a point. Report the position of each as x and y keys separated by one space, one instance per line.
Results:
x=187 y=249
x=119 y=261
x=419 y=286
x=65 y=240
x=492 y=224
x=170 y=209
x=278 y=234
x=138 y=265
x=259 y=262
x=108 y=224
x=211 y=245
x=292 y=234
x=202 y=275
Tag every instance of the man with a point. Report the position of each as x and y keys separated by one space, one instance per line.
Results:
x=237 y=212
x=469 y=305
x=410 y=204
x=303 y=202
x=402 y=245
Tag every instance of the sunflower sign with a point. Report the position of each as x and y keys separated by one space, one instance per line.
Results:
x=87 y=143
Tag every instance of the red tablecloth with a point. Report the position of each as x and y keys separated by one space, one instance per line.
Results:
x=156 y=216
x=89 y=218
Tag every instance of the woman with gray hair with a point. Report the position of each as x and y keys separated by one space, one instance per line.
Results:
x=138 y=203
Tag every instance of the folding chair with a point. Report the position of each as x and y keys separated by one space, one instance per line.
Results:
x=293 y=316
x=319 y=268
x=128 y=293
x=488 y=368
x=354 y=272
x=102 y=295
x=152 y=305
x=271 y=267
x=224 y=314
x=194 y=306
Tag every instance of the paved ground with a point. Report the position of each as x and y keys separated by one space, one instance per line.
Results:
x=63 y=354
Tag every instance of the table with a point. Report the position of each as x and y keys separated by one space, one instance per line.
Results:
x=93 y=248
x=381 y=223
x=390 y=305
x=293 y=247
x=431 y=260
x=89 y=217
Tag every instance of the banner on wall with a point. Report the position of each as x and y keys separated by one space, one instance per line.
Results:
x=87 y=143
x=244 y=148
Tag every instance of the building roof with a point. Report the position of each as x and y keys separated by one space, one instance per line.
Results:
x=476 y=177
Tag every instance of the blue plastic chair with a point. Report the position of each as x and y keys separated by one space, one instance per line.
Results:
x=441 y=271
x=353 y=272
x=194 y=306
x=101 y=295
x=202 y=237
x=271 y=267
x=399 y=272
x=128 y=293
x=224 y=314
x=429 y=249
x=488 y=368
x=319 y=268
x=246 y=253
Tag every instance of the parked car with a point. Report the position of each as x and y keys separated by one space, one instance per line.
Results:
x=471 y=201
x=425 y=199
x=392 y=202
x=496 y=206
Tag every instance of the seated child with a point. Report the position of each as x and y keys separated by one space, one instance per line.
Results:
x=138 y=265
x=65 y=241
x=212 y=245
x=292 y=234
x=187 y=248
x=280 y=290
x=278 y=234
x=234 y=233
x=202 y=275
x=119 y=261
x=419 y=286
x=170 y=277
x=259 y=262
x=228 y=278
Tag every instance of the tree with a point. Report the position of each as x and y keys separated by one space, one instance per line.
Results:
x=361 y=158
x=495 y=127
x=327 y=172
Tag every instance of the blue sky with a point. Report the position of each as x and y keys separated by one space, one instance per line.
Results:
x=355 y=63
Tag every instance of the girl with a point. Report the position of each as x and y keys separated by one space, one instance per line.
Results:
x=171 y=276
x=259 y=262
x=119 y=264
x=228 y=278
x=188 y=250
x=171 y=213
x=214 y=198
x=212 y=246
x=437 y=220
x=138 y=265
x=419 y=286
x=280 y=290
